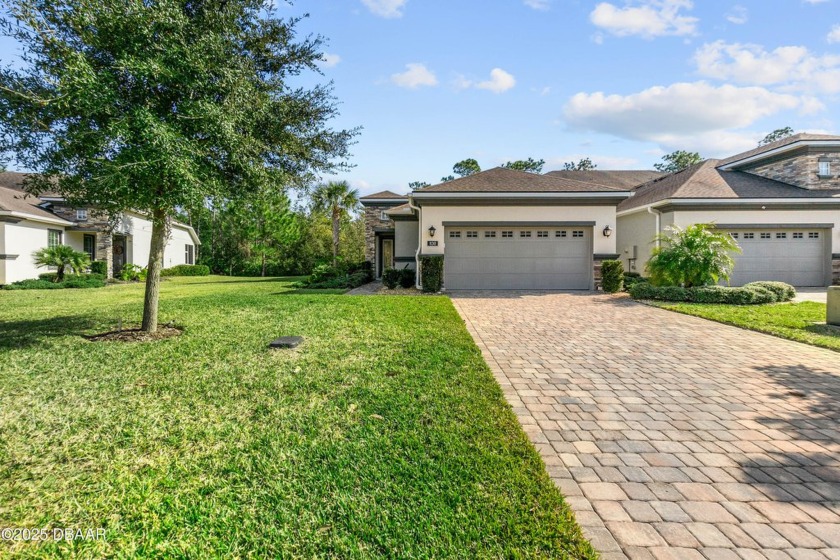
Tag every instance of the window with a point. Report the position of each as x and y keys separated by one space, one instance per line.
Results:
x=734 y=235
x=765 y=235
x=472 y=234
x=798 y=235
x=825 y=169
x=781 y=236
x=507 y=234
x=749 y=236
x=542 y=234
x=489 y=234
x=384 y=216
x=189 y=256
x=814 y=235
x=81 y=215
x=577 y=234
x=89 y=244
x=54 y=237
x=454 y=234
x=559 y=234
x=524 y=234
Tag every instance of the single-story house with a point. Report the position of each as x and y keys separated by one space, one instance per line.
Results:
x=29 y=223
x=506 y=229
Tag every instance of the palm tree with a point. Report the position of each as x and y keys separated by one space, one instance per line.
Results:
x=61 y=257
x=337 y=200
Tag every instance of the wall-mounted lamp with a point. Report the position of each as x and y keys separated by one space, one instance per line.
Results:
x=432 y=231
x=607 y=231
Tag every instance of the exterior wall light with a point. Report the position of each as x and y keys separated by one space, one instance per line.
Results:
x=607 y=231
x=432 y=231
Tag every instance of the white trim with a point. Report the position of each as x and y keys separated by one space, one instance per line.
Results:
x=34 y=218
x=780 y=150
x=725 y=201
x=394 y=201
x=524 y=195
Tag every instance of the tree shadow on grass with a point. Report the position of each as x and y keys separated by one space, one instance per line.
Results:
x=34 y=332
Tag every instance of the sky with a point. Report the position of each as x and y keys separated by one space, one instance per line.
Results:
x=432 y=82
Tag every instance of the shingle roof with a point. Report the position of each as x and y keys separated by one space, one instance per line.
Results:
x=383 y=195
x=501 y=179
x=802 y=137
x=619 y=179
x=17 y=200
x=704 y=180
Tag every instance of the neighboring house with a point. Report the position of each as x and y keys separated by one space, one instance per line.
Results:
x=29 y=223
x=781 y=203
x=502 y=229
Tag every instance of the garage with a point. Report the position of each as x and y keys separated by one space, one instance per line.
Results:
x=796 y=255
x=504 y=257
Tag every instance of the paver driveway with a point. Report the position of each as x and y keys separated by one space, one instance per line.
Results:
x=671 y=436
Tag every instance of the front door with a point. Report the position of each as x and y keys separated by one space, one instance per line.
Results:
x=387 y=253
x=119 y=254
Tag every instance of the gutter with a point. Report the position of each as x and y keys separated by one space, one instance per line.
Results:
x=417 y=283
x=520 y=195
x=34 y=218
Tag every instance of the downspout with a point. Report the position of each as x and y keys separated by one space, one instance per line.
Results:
x=658 y=215
x=417 y=283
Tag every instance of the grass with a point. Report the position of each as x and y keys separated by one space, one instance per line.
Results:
x=794 y=321
x=383 y=435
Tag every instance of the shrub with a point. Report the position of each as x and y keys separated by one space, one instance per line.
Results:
x=186 y=270
x=131 y=272
x=783 y=292
x=631 y=279
x=695 y=256
x=324 y=272
x=390 y=277
x=345 y=281
x=431 y=273
x=612 y=276
x=407 y=277
x=51 y=276
x=62 y=257
x=99 y=267
x=746 y=295
x=364 y=266
x=83 y=281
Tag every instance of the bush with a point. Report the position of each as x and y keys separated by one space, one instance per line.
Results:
x=745 y=295
x=99 y=267
x=407 y=277
x=431 y=271
x=132 y=273
x=390 y=277
x=695 y=256
x=345 y=281
x=187 y=270
x=52 y=276
x=631 y=279
x=783 y=292
x=612 y=276
x=324 y=272
x=364 y=266
x=82 y=281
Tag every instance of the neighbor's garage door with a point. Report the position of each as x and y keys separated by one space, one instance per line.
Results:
x=795 y=256
x=518 y=258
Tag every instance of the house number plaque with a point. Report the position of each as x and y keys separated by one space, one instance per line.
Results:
x=432 y=243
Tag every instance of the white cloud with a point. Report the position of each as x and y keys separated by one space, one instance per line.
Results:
x=683 y=115
x=386 y=8
x=834 y=34
x=329 y=60
x=794 y=68
x=814 y=1
x=738 y=15
x=647 y=19
x=602 y=162
x=415 y=76
x=499 y=82
x=541 y=5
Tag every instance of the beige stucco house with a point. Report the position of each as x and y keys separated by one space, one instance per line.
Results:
x=29 y=223
x=505 y=229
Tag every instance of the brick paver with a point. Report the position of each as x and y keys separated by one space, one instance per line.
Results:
x=669 y=435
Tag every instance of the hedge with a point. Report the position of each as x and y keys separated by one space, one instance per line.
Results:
x=390 y=278
x=407 y=277
x=86 y=281
x=186 y=270
x=751 y=294
x=612 y=276
x=431 y=273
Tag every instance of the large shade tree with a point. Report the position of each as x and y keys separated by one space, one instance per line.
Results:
x=337 y=200
x=159 y=105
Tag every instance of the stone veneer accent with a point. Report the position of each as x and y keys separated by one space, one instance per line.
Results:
x=372 y=223
x=801 y=170
x=105 y=251
x=835 y=269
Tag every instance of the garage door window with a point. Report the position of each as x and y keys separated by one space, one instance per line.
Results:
x=472 y=234
x=559 y=234
x=765 y=236
x=542 y=234
x=577 y=234
x=507 y=234
x=814 y=235
x=781 y=236
x=734 y=235
x=454 y=234
x=749 y=236
x=524 y=234
x=489 y=234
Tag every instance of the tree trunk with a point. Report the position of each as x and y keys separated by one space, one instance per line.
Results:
x=263 y=263
x=161 y=224
x=336 y=221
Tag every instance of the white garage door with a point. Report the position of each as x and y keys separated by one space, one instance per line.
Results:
x=518 y=258
x=796 y=256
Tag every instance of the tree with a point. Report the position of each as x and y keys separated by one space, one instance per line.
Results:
x=61 y=257
x=529 y=165
x=584 y=164
x=447 y=178
x=337 y=200
x=777 y=134
x=466 y=168
x=677 y=161
x=415 y=185
x=695 y=256
x=155 y=106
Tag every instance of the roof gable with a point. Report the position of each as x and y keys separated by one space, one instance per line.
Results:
x=384 y=195
x=784 y=142
x=504 y=180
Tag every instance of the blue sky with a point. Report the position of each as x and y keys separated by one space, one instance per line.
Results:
x=623 y=82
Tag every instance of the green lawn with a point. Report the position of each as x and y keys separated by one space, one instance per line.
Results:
x=795 y=321
x=384 y=435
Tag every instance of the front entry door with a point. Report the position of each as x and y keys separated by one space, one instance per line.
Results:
x=119 y=254
x=387 y=253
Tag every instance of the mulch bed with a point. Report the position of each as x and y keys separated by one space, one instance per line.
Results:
x=136 y=335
